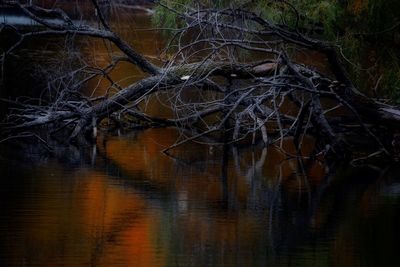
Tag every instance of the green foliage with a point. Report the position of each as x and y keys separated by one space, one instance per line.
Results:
x=310 y=15
x=312 y=12
x=369 y=42
x=379 y=15
x=166 y=18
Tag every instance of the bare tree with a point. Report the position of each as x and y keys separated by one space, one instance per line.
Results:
x=236 y=96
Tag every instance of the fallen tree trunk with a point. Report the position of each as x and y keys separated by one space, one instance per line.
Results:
x=268 y=99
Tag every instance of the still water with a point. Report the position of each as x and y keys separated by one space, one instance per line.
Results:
x=124 y=203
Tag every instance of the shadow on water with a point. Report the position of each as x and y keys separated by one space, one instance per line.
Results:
x=124 y=203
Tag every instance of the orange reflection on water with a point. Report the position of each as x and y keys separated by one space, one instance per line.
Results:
x=120 y=225
x=79 y=218
x=83 y=216
x=139 y=207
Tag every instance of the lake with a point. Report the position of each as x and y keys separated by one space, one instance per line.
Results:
x=122 y=202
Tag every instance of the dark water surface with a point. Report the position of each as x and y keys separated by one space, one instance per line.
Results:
x=127 y=204
x=124 y=203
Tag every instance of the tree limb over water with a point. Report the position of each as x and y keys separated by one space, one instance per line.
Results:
x=243 y=82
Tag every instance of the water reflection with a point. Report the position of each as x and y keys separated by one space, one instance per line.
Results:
x=17 y=19
x=135 y=206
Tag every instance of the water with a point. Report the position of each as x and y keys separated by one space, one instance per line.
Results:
x=124 y=203
x=127 y=204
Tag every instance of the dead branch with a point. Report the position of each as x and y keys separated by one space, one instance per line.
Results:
x=268 y=99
